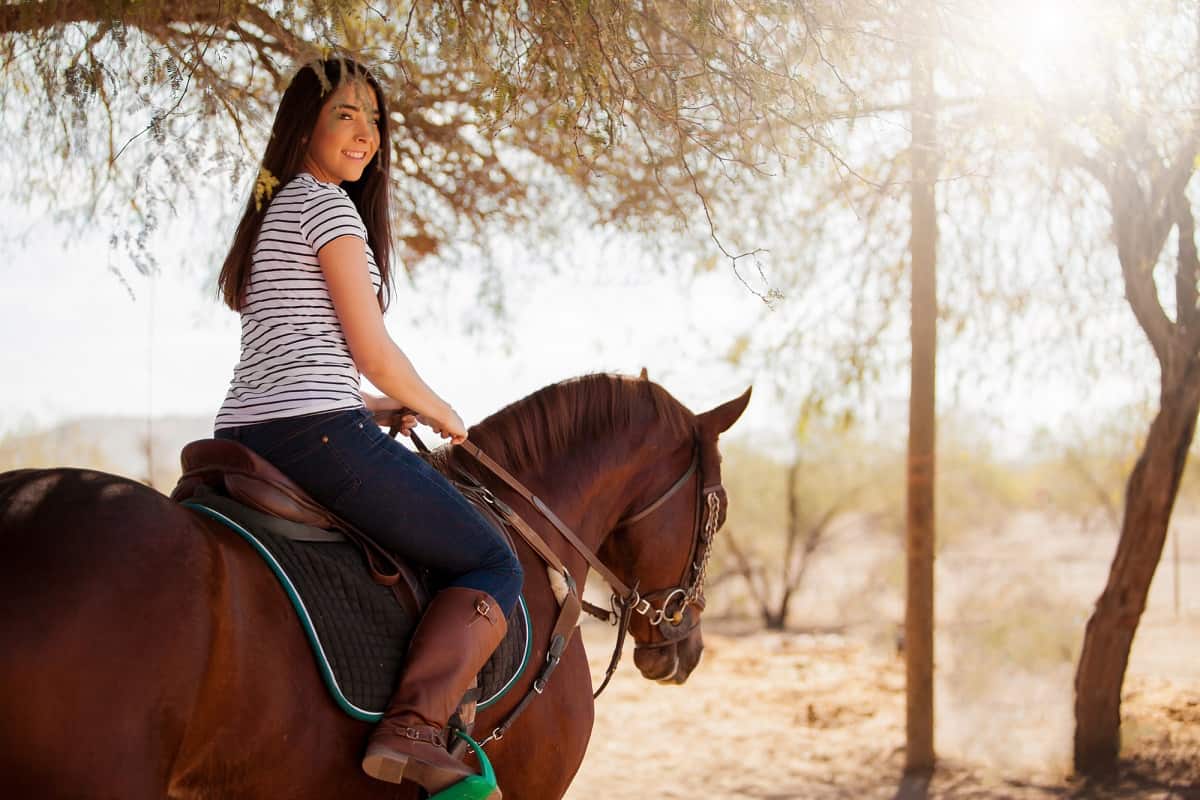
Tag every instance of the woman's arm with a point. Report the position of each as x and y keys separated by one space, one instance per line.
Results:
x=344 y=264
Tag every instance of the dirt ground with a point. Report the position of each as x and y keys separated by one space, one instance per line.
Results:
x=820 y=715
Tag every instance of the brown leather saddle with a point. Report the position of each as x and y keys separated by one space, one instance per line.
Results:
x=233 y=470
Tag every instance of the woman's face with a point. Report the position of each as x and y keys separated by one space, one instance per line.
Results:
x=346 y=135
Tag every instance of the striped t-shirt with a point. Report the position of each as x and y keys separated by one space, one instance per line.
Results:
x=295 y=359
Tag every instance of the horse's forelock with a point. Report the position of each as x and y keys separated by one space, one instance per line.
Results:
x=527 y=434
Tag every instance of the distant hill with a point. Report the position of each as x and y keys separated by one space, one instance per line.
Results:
x=111 y=444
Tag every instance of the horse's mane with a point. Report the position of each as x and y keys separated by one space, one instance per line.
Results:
x=527 y=433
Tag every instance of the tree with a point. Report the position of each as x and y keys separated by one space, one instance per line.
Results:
x=809 y=517
x=1145 y=210
x=1137 y=142
x=1129 y=130
x=922 y=422
x=643 y=109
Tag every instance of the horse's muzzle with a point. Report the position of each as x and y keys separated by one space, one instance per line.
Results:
x=671 y=664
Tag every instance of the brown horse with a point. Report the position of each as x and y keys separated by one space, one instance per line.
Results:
x=148 y=652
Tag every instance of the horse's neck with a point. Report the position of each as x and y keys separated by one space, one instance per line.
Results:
x=589 y=485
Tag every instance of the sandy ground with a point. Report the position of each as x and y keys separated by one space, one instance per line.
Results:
x=798 y=715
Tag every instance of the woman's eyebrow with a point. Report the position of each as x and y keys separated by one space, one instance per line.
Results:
x=352 y=107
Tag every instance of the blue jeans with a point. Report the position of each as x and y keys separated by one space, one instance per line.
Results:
x=352 y=467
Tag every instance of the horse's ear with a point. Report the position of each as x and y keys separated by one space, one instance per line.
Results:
x=721 y=418
x=644 y=375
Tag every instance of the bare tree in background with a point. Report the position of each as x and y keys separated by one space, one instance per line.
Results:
x=773 y=589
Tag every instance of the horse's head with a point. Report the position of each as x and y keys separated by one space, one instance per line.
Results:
x=663 y=544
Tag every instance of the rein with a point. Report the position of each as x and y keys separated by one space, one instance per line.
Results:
x=625 y=599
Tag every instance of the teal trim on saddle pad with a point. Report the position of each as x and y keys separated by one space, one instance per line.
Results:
x=305 y=620
x=488 y=702
x=323 y=665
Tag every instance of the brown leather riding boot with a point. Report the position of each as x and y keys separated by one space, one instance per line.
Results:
x=454 y=639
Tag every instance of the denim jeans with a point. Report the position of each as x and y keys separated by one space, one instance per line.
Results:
x=351 y=466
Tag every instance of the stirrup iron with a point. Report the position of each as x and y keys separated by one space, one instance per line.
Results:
x=472 y=787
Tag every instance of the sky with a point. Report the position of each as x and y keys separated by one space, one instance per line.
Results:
x=87 y=335
x=92 y=336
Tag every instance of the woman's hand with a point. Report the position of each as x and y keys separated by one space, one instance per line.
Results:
x=385 y=410
x=450 y=426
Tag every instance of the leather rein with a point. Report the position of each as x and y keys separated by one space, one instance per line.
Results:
x=626 y=600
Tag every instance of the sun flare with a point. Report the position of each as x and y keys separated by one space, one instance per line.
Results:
x=1051 y=43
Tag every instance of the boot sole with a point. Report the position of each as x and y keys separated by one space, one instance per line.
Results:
x=384 y=765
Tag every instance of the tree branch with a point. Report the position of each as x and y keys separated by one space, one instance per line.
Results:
x=747 y=571
x=26 y=17
x=1140 y=234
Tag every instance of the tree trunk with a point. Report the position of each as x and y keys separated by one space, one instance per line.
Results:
x=1149 y=498
x=775 y=620
x=918 y=620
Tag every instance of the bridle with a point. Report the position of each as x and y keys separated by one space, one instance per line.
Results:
x=689 y=589
x=626 y=600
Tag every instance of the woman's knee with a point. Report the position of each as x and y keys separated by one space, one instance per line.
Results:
x=515 y=574
x=504 y=564
x=506 y=577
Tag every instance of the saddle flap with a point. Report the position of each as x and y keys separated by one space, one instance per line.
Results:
x=225 y=465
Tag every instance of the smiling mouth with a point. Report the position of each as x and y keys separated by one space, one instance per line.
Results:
x=357 y=155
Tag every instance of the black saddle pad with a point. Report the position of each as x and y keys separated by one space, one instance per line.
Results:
x=359 y=632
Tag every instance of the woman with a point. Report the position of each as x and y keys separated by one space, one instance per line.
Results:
x=309 y=271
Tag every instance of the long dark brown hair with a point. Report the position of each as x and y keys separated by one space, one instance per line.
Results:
x=294 y=123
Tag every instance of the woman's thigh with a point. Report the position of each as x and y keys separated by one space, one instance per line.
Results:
x=347 y=463
x=415 y=511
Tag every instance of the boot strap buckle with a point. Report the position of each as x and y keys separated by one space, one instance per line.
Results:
x=419 y=735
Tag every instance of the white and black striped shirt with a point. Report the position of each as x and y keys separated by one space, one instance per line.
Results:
x=294 y=356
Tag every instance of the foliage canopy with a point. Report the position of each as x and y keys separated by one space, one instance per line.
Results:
x=646 y=109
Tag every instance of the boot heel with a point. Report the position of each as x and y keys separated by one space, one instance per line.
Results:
x=384 y=765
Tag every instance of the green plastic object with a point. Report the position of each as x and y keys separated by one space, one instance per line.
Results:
x=476 y=787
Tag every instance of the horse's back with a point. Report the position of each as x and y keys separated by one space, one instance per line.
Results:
x=150 y=653
x=69 y=535
x=94 y=615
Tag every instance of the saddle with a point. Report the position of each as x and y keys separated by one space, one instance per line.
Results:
x=225 y=467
